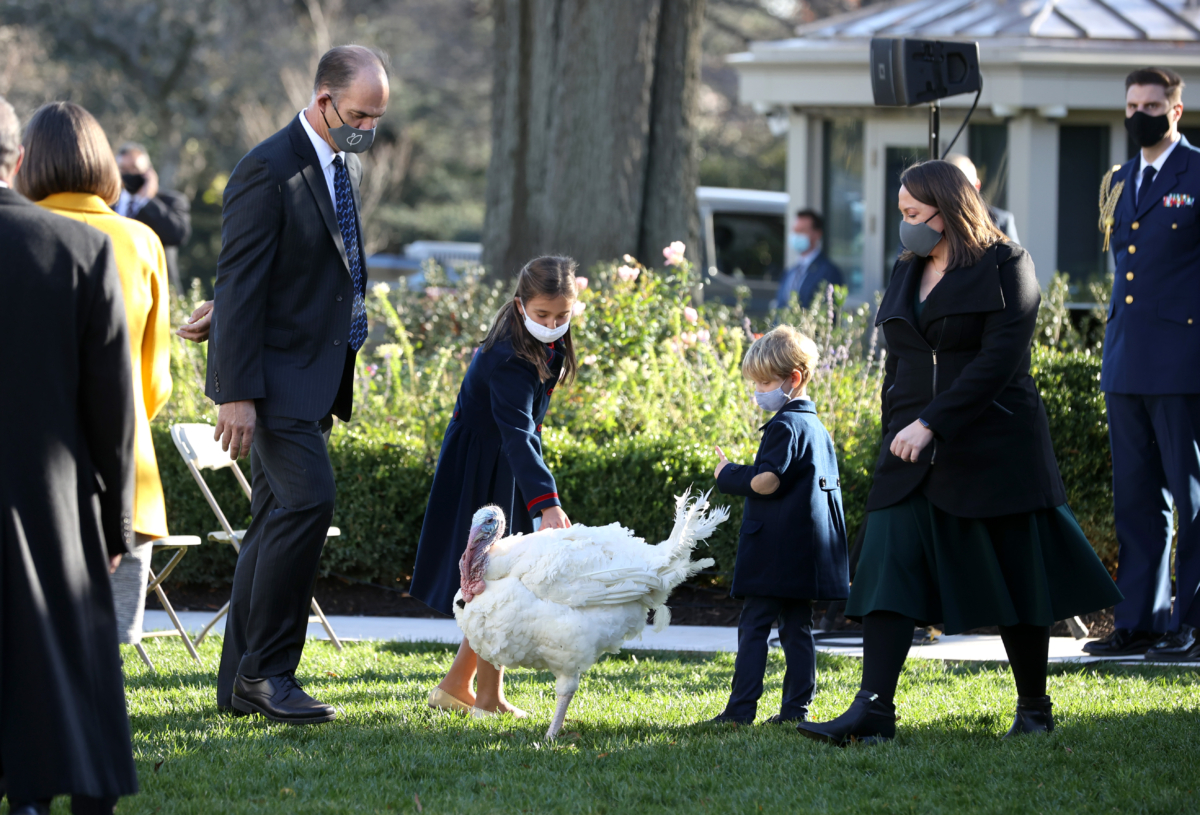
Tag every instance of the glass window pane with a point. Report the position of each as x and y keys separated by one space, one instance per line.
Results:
x=898 y=160
x=843 y=205
x=1083 y=159
x=750 y=244
x=988 y=148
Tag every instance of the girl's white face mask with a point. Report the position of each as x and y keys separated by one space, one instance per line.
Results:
x=540 y=332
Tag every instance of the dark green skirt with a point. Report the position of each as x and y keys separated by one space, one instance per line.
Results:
x=1034 y=568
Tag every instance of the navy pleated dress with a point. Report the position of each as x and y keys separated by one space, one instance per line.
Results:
x=492 y=454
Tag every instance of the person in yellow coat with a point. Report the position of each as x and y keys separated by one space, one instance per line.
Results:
x=70 y=169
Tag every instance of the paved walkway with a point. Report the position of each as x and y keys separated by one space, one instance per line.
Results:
x=961 y=648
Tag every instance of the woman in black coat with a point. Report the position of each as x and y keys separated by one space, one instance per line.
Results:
x=967 y=517
x=66 y=489
x=492 y=454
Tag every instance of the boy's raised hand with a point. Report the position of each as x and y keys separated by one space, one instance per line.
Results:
x=722 y=461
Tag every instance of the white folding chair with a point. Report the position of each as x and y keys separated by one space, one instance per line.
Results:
x=200 y=451
x=181 y=544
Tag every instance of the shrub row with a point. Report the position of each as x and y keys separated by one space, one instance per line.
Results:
x=384 y=480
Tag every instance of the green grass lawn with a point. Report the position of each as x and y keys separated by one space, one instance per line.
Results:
x=1128 y=740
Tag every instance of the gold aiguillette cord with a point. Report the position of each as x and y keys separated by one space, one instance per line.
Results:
x=1108 y=203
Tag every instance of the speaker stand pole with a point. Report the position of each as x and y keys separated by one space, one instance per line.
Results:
x=935 y=127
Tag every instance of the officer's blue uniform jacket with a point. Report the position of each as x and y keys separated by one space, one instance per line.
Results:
x=1152 y=340
x=491 y=454
x=822 y=273
x=793 y=541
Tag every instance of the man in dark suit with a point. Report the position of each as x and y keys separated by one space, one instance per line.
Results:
x=814 y=272
x=66 y=486
x=288 y=318
x=167 y=212
x=1151 y=377
x=1004 y=220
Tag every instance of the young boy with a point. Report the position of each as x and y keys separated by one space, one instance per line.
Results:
x=792 y=547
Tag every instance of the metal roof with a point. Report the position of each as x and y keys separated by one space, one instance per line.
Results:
x=1112 y=20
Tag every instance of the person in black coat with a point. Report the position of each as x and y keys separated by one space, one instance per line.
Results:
x=967 y=517
x=792 y=546
x=288 y=319
x=167 y=212
x=67 y=487
x=492 y=454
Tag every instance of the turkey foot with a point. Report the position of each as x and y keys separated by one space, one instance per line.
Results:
x=560 y=715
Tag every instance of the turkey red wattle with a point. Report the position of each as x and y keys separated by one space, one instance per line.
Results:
x=487 y=527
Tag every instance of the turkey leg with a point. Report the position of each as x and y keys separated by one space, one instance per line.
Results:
x=560 y=715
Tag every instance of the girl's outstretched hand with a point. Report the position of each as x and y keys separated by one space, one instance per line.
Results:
x=555 y=518
x=720 y=463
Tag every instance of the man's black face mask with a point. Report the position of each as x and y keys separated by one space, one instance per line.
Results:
x=1147 y=130
x=133 y=181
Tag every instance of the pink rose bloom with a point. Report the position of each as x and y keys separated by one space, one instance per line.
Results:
x=578 y=308
x=690 y=314
x=590 y=359
x=628 y=273
x=673 y=254
x=689 y=338
x=581 y=283
x=703 y=335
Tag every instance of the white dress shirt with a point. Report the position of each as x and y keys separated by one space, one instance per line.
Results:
x=325 y=156
x=1157 y=164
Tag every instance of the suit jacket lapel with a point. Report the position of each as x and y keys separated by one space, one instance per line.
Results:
x=1166 y=180
x=966 y=291
x=311 y=170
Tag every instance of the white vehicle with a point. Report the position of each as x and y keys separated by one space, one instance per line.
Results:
x=741 y=244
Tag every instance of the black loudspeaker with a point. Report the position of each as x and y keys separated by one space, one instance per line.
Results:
x=911 y=72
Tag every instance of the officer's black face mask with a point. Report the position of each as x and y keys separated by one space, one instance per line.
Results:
x=1147 y=130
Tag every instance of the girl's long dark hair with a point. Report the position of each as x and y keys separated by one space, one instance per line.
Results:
x=969 y=229
x=548 y=276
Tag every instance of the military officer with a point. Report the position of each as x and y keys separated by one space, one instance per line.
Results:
x=1151 y=375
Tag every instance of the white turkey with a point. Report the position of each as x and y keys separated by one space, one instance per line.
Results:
x=560 y=598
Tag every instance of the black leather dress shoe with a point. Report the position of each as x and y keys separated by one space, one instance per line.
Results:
x=725 y=718
x=867 y=721
x=1122 y=643
x=280 y=699
x=1033 y=716
x=29 y=808
x=1178 y=646
x=778 y=719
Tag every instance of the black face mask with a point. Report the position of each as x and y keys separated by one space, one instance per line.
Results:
x=1147 y=130
x=133 y=181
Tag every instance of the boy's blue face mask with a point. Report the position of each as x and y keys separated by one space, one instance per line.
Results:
x=773 y=401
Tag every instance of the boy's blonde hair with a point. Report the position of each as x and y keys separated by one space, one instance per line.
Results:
x=777 y=353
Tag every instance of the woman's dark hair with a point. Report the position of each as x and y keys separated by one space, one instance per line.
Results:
x=967 y=225
x=66 y=151
x=549 y=276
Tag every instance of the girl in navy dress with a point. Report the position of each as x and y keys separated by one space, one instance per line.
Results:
x=492 y=454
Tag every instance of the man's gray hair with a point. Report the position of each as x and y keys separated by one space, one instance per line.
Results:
x=134 y=147
x=10 y=137
x=341 y=64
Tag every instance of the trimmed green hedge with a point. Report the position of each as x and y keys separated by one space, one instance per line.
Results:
x=383 y=485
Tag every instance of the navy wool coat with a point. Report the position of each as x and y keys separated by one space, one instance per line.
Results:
x=1152 y=340
x=492 y=454
x=793 y=541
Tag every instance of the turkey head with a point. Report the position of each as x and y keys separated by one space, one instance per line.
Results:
x=487 y=527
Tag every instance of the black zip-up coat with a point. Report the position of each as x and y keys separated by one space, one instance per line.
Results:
x=964 y=369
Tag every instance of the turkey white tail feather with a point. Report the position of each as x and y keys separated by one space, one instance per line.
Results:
x=693 y=523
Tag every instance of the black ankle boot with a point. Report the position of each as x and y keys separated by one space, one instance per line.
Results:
x=867 y=721
x=1033 y=716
